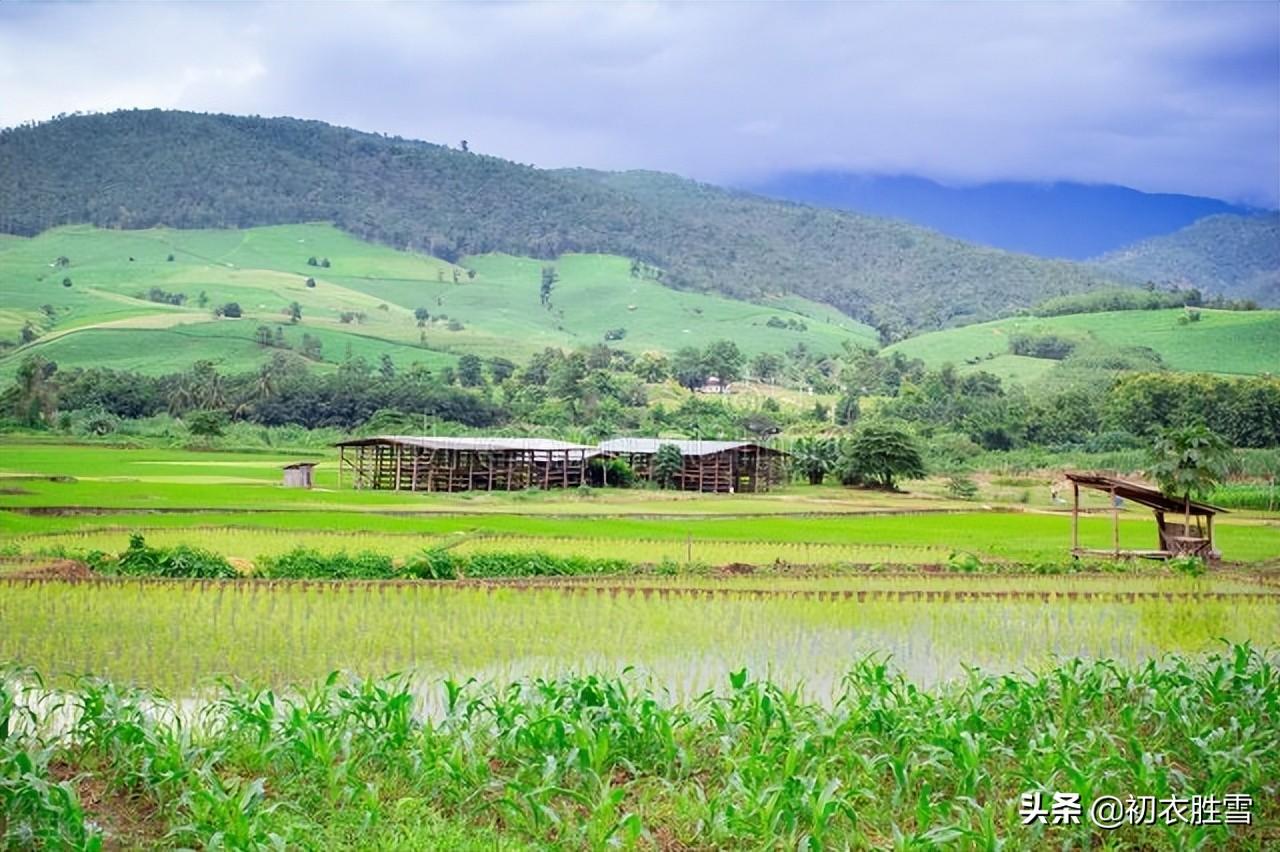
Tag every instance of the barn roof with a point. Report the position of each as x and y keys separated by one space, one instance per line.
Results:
x=468 y=444
x=1140 y=493
x=297 y=465
x=645 y=446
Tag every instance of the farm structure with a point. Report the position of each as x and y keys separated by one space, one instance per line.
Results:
x=1175 y=539
x=408 y=463
x=298 y=474
x=710 y=466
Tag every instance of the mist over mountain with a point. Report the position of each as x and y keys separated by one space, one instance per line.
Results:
x=1060 y=220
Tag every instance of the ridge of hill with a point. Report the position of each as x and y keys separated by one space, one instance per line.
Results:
x=1063 y=219
x=1237 y=256
x=148 y=168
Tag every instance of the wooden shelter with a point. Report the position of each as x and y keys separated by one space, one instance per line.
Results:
x=401 y=462
x=711 y=466
x=1176 y=537
x=298 y=474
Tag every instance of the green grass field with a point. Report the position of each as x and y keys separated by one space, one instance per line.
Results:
x=1239 y=342
x=105 y=318
x=92 y=496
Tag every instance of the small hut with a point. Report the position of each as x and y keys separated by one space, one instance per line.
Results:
x=1176 y=537
x=298 y=474
x=710 y=466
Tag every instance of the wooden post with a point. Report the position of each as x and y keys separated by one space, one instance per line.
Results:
x=342 y=458
x=1075 y=517
x=1115 y=523
x=399 y=457
x=1209 y=520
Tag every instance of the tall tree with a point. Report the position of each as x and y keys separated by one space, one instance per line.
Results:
x=880 y=455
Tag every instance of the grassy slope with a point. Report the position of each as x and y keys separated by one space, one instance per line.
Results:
x=264 y=269
x=1221 y=342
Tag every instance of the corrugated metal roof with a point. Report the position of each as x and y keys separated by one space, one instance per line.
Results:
x=687 y=448
x=473 y=444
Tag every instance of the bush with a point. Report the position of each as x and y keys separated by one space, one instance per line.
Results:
x=962 y=487
x=965 y=563
x=178 y=562
x=304 y=564
x=1189 y=566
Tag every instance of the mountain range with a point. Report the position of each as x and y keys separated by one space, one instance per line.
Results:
x=1065 y=220
x=147 y=168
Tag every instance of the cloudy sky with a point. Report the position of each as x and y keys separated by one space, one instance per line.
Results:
x=1182 y=97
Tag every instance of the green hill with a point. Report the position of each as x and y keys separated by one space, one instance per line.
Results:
x=1239 y=342
x=143 y=169
x=489 y=304
x=1237 y=256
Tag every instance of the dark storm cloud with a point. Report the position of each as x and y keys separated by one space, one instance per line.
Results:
x=1182 y=97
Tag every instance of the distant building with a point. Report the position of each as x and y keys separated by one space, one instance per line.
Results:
x=710 y=466
x=298 y=474
x=713 y=384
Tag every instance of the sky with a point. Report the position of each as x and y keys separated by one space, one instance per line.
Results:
x=1181 y=97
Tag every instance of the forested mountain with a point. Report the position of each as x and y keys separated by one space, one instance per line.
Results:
x=1067 y=220
x=137 y=169
x=1237 y=256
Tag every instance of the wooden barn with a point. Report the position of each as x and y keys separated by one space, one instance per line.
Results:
x=408 y=463
x=711 y=466
x=1175 y=537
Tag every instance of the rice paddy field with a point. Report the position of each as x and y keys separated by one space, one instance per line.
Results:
x=813 y=668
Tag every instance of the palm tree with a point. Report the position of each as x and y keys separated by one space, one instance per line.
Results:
x=1190 y=461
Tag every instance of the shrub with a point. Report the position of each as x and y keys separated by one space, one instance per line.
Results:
x=181 y=561
x=962 y=487
x=964 y=562
x=1190 y=566
x=304 y=564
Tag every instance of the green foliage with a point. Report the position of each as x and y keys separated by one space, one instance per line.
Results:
x=1190 y=566
x=207 y=423
x=815 y=457
x=182 y=561
x=304 y=564
x=1190 y=461
x=965 y=563
x=1119 y=299
x=668 y=462
x=880 y=456
x=962 y=487
x=1053 y=346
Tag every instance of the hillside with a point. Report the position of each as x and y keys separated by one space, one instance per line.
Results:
x=488 y=304
x=1237 y=256
x=143 y=169
x=1235 y=342
x=1067 y=220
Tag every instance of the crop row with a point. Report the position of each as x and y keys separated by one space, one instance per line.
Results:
x=256 y=544
x=179 y=635
x=574 y=586
x=594 y=761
